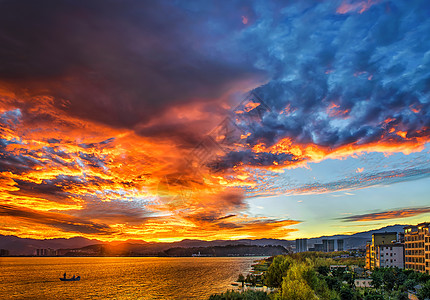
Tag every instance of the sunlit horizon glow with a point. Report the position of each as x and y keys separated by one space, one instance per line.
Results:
x=227 y=120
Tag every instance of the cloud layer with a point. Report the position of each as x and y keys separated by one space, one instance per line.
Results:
x=387 y=215
x=135 y=119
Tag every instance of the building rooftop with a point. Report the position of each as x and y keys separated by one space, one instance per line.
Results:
x=415 y=228
x=384 y=233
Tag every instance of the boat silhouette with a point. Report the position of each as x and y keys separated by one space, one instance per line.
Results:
x=73 y=278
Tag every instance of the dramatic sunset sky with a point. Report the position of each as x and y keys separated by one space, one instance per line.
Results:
x=165 y=120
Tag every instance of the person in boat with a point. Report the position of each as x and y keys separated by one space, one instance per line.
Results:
x=64 y=275
x=74 y=276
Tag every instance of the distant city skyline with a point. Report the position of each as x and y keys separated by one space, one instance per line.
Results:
x=164 y=121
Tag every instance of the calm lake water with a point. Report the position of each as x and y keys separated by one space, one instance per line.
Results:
x=119 y=277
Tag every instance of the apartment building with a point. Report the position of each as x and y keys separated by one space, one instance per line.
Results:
x=367 y=258
x=417 y=247
x=329 y=245
x=373 y=250
x=389 y=256
x=301 y=245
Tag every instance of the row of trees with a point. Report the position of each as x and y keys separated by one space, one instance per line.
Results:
x=307 y=276
x=394 y=280
x=245 y=295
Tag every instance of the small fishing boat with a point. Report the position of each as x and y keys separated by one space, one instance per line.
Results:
x=73 y=278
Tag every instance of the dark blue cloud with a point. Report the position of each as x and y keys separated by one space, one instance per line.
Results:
x=58 y=188
x=372 y=66
x=340 y=79
x=54 y=141
x=10 y=118
x=255 y=159
x=96 y=145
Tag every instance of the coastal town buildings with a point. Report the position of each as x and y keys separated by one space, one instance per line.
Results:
x=45 y=252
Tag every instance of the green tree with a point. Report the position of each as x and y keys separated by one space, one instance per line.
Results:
x=389 y=278
x=297 y=289
x=410 y=284
x=377 y=279
x=302 y=282
x=346 y=293
x=251 y=279
x=277 y=270
x=295 y=284
x=401 y=278
x=401 y=296
x=424 y=291
x=315 y=282
x=373 y=296
x=323 y=270
x=349 y=278
x=333 y=283
x=422 y=277
x=241 y=278
x=338 y=272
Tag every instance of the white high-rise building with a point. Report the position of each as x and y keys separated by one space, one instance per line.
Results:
x=389 y=255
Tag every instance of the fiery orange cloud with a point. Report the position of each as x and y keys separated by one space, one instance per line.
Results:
x=402 y=134
x=387 y=215
x=334 y=111
x=79 y=177
x=22 y=221
x=302 y=153
x=359 y=6
x=415 y=109
x=63 y=222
